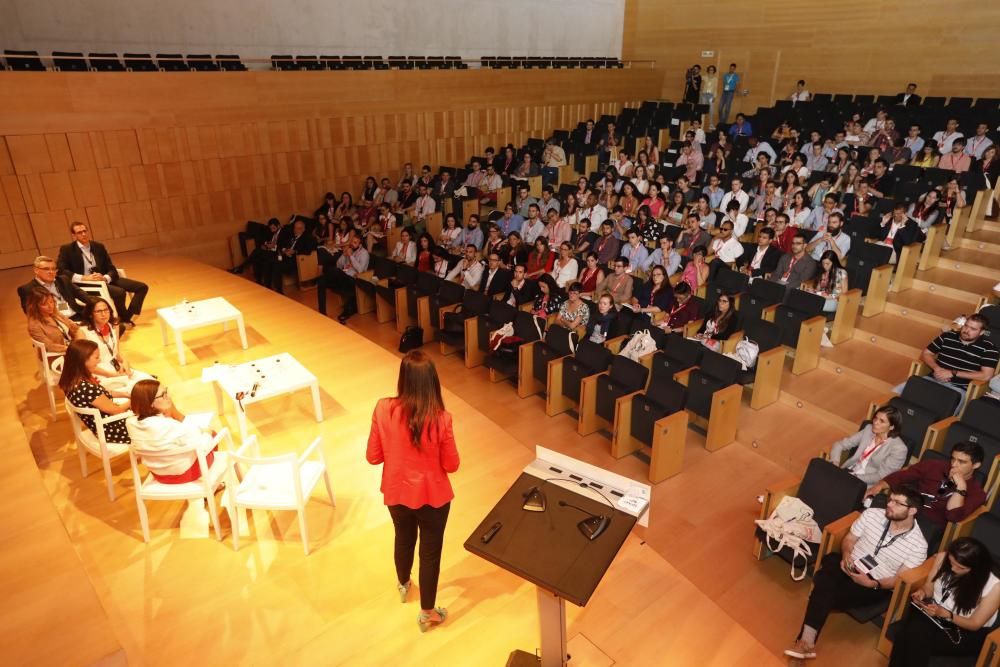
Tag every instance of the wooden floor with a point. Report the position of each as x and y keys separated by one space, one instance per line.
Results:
x=685 y=591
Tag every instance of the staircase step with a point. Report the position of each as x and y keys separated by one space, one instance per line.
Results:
x=903 y=335
x=931 y=308
x=959 y=284
x=971 y=261
x=867 y=363
x=984 y=240
x=837 y=400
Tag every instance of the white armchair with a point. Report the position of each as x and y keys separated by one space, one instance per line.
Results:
x=203 y=488
x=88 y=442
x=50 y=368
x=283 y=482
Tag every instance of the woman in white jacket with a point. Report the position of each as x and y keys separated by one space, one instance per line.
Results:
x=162 y=438
x=878 y=449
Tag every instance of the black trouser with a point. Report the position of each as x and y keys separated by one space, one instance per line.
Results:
x=430 y=521
x=919 y=640
x=117 y=291
x=342 y=284
x=282 y=266
x=833 y=590
x=261 y=261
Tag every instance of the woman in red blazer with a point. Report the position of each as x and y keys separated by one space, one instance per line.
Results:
x=412 y=437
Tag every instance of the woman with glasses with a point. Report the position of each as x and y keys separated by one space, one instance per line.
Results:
x=163 y=439
x=100 y=326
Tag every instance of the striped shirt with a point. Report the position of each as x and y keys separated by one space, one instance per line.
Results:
x=895 y=551
x=955 y=355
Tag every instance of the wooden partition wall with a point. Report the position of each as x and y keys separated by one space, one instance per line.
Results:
x=851 y=46
x=178 y=162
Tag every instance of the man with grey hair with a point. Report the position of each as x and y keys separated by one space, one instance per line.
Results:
x=70 y=299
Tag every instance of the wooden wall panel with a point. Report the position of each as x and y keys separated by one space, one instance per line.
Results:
x=851 y=46
x=185 y=160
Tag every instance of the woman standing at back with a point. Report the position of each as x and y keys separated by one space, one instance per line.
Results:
x=412 y=437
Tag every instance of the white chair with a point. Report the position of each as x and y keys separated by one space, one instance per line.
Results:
x=100 y=288
x=282 y=482
x=202 y=488
x=50 y=367
x=97 y=445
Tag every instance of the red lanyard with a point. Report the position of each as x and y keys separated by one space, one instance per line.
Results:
x=876 y=443
x=791 y=265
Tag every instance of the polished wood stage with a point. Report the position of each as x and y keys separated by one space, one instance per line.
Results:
x=83 y=588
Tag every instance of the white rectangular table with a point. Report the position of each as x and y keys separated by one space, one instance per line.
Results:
x=196 y=314
x=272 y=376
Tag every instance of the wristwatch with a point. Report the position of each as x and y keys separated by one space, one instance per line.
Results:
x=961 y=492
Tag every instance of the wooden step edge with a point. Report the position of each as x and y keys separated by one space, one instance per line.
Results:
x=858 y=375
x=980 y=246
x=946 y=291
x=890 y=344
x=817 y=411
x=920 y=316
x=990 y=225
x=970 y=268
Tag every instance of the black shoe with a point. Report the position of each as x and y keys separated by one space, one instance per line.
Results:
x=129 y=324
x=121 y=329
x=236 y=270
x=342 y=319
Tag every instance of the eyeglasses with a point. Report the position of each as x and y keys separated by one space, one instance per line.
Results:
x=893 y=501
x=102 y=310
x=162 y=394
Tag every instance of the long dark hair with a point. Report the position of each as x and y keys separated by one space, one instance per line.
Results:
x=75 y=363
x=419 y=392
x=967 y=588
x=722 y=319
x=555 y=292
x=88 y=313
x=835 y=266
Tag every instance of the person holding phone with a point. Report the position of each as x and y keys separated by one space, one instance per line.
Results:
x=959 y=602
x=881 y=545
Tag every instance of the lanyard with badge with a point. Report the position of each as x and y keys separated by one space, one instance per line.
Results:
x=867 y=564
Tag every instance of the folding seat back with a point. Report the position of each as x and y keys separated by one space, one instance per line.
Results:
x=717 y=371
x=726 y=281
x=986 y=529
x=984 y=416
x=624 y=376
x=830 y=491
x=589 y=358
x=933 y=102
x=762 y=293
x=922 y=403
x=404 y=277
x=201 y=62
x=559 y=342
x=992 y=315
x=283 y=62
x=140 y=62
x=23 y=61
x=448 y=293
x=69 y=61
x=678 y=354
x=311 y=63
x=230 y=62
x=105 y=62
x=799 y=306
x=427 y=284
x=664 y=397
x=642 y=324
x=500 y=313
x=171 y=62
x=865 y=258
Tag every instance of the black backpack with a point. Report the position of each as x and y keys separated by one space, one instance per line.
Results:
x=411 y=339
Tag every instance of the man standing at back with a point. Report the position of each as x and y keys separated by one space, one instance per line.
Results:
x=84 y=260
x=730 y=82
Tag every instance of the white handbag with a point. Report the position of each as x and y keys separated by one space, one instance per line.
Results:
x=791 y=525
x=639 y=345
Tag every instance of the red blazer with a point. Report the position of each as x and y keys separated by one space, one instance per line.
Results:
x=412 y=477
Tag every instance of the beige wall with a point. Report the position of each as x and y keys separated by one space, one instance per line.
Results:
x=869 y=46
x=179 y=161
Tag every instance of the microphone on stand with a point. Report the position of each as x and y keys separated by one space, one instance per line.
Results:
x=593 y=526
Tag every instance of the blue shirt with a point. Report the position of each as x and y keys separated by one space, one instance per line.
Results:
x=656 y=258
x=729 y=81
x=471 y=237
x=714 y=198
x=734 y=129
x=507 y=226
x=635 y=255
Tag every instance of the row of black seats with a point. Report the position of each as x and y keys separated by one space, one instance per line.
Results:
x=509 y=62
x=288 y=62
x=933 y=102
x=74 y=61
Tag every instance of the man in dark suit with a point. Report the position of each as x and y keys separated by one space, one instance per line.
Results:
x=296 y=242
x=522 y=290
x=443 y=188
x=70 y=299
x=496 y=279
x=909 y=98
x=897 y=229
x=764 y=259
x=795 y=267
x=86 y=260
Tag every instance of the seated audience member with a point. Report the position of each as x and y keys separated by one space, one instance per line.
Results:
x=86 y=260
x=618 y=283
x=405 y=251
x=425 y=253
x=341 y=278
x=329 y=204
x=540 y=259
x=407 y=200
x=289 y=247
x=958 y=357
x=713 y=191
x=565 y=269
x=741 y=128
x=472 y=234
x=764 y=259
x=819 y=218
x=634 y=252
x=784 y=233
x=606 y=245
x=888 y=538
x=160 y=434
x=451 y=233
x=513 y=252
x=876 y=450
x=83 y=390
x=526 y=169
x=558 y=230
x=956 y=159
x=664 y=256
x=897 y=231
x=423 y=206
x=798 y=212
x=831 y=239
x=697 y=270
x=100 y=326
x=46 y=324
x=961 y=591
x=493 y=240
x=691 y=159
x=592 y=275
x=495 y=279
x=735 y=193
x=509 y=221
x=606 y=321
x=684 y=310
x=334 y=243
x=949 y=490
x=549 y=203
x=654 y=296
x=830 y=279
x=946 y=137
x=719 y=324
x=533 y=227
x=725 y=247
x=926 y=210
x=553 y=157
x=927 y=157
x=549 y=297
x=909 y=98
x=795 y=267
x=523 y=201
x=469 y=271
x=766 y=199
x=264 y=251
x=443 y=187
x=522 y=290
x=594 y=212
x=979 y=142
x=692 y=236
x=378 y=230
x=70 y=299
x=505 y=164
x=738 y=220
x=473 y=181
x=574 y=312
x=489 y=186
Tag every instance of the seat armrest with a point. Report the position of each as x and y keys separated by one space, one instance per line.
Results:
x=729 y=345
x=787 y=486
x=768 y=313
x=221 y=435
x=691 y=328
x=366 y=276
x=834 y=533
x=684 y=376
x=936 y=433
x=310 y=450
x=615 y=344
x=919 y=368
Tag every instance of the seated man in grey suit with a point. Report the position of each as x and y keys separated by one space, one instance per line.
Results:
x=70 y=299
x=795 y=267
x=877 y=448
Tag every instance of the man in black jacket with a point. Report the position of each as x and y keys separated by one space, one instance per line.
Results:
x=298 y=242
x=70 y=299
x=496 y=279
x=85 y=260
x=764 y=260
x=909 y=98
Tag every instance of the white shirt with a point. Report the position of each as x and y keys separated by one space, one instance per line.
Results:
x=566 y=274
x=945 y=140
x=470 y=276
x=948 y=602
x=425 y=206
x=596 y=215
x=739 y=224
x=727 y=251
x=88 y=263
x=977 y=145
x=799 y=96
x=531 y=231
x=156 y=440
x=742 y=197
x=894 y=551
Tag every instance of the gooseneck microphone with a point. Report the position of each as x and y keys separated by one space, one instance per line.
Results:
x=594 y=525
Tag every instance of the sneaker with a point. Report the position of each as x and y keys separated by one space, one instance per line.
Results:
x=801 y=651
